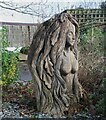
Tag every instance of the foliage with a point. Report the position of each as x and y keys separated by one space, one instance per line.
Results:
x=9 y=67
x=91 y=64
x=0 y=56
x=100 y=106
x=92 y=40
x=24 y=50
x=103 y=5
x=91 y=54
x=9 y=61
x=104 y=82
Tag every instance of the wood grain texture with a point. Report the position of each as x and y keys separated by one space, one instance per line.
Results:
x=53 y=62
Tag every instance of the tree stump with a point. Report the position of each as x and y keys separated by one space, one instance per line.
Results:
x=53 y=62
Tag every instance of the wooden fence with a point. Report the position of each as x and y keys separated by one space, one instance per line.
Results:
x=94 y=16
x=20 y=34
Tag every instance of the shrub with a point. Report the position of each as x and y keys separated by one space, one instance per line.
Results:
x=91 y=58
x=91 y=65
x=9 y=61
x=24 y=50
x=9 y=67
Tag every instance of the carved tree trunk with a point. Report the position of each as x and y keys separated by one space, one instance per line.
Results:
x=53 y=62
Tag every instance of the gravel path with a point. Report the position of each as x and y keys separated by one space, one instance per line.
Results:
x=13 y=111
x=10 y=111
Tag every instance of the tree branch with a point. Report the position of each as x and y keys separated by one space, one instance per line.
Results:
x=34 y=9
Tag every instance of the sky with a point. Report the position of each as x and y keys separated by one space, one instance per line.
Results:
x=55 y=0
x=12 y=16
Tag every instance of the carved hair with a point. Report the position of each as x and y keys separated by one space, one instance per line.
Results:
x=47 y=46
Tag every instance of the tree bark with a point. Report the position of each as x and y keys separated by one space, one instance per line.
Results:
x=53 y=62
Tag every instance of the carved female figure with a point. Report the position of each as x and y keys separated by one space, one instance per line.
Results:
x=53 y=62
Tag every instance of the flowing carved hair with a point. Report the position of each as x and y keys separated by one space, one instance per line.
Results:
x=47 y=45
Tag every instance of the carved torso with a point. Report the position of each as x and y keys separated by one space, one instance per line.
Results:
x=69 y=63
x=68 y=68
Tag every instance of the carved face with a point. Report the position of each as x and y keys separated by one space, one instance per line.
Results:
x=70 y=36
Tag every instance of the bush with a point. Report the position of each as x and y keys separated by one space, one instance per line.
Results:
x=91 y=58
x=9 y=61
x=91 y=65
x=24 y=50
x=100 y=106
x=9 y=67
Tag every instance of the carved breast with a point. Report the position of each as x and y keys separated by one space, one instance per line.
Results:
x=69 y=63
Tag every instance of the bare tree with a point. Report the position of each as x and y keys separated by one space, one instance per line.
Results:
x=45 y=9
x=35 y=9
